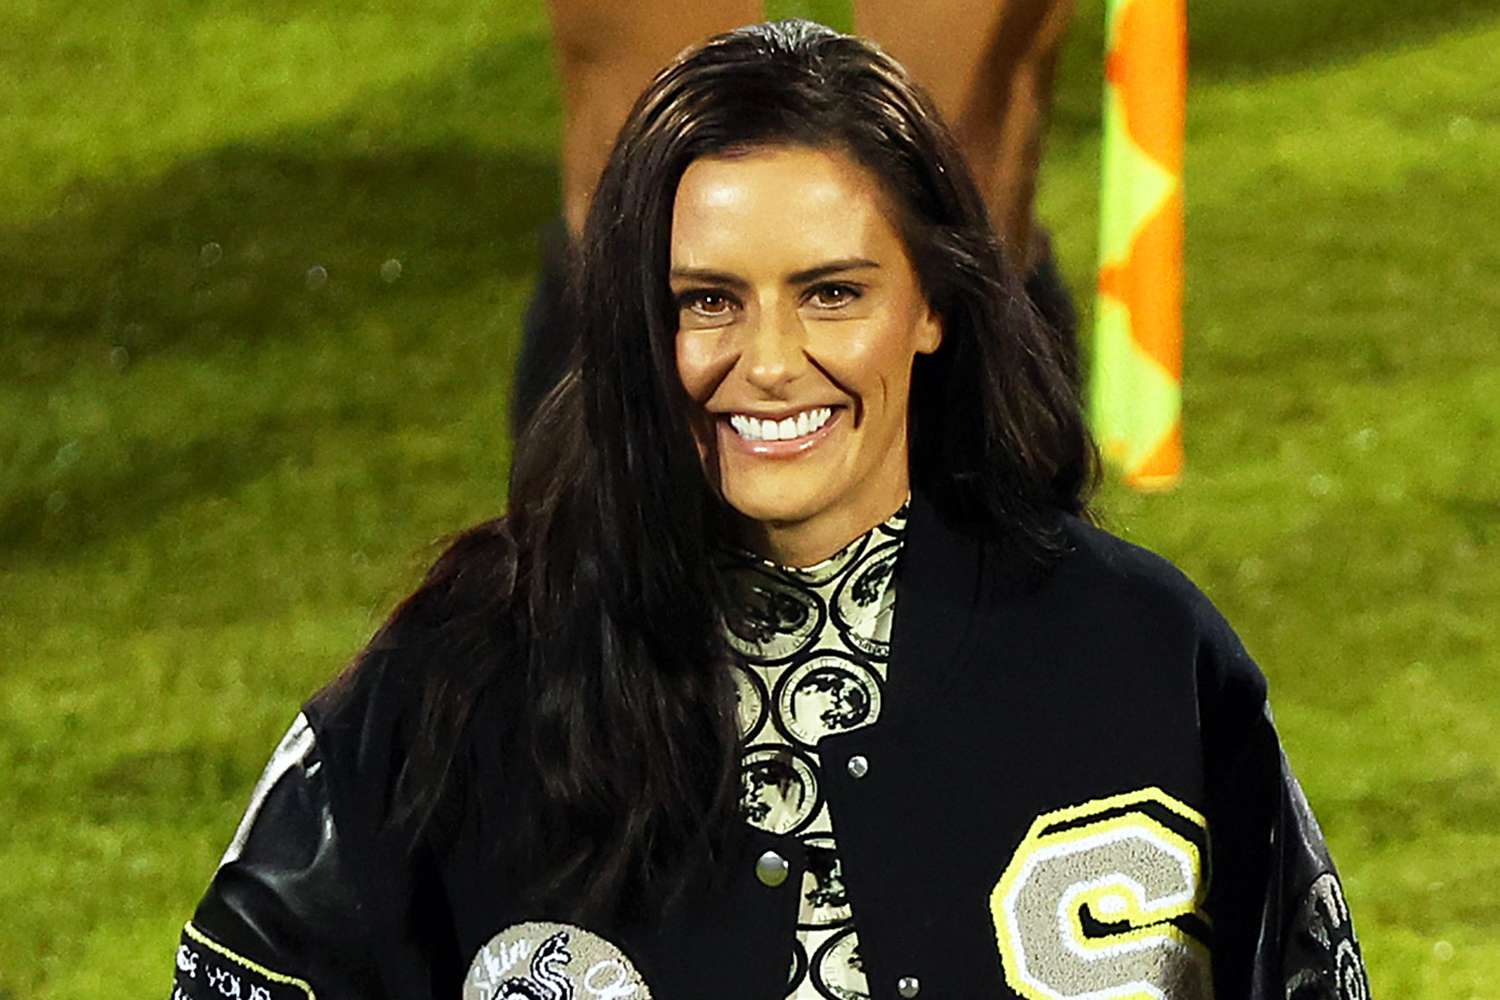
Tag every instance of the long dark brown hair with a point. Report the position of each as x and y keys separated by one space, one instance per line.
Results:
x=584 y=625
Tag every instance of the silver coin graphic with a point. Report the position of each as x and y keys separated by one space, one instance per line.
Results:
x=776 y=619
x=778 y=788
x=825 y=901
x=798 y=971
x=830 y=693
x=864 y=603
x=750 y=700
x=837 y=969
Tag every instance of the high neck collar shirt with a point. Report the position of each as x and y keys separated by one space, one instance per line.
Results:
x=813 y=645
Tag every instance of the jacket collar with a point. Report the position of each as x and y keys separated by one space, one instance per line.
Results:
x=939 y=588
x=947 y=575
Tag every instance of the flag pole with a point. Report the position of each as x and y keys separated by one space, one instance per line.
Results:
x=1135 y=385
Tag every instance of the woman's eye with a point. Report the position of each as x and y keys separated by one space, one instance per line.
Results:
x=707 y=305
x=832 y=296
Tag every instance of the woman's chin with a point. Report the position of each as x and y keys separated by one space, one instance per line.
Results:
x=772 y=508
x=778 y=492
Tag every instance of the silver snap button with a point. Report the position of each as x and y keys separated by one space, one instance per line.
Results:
x=859 y=766
x=908 y=986
x=771 y=868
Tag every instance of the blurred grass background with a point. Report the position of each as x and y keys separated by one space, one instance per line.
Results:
x=261 y=271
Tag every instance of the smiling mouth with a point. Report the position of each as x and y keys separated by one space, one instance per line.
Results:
x=790 y=428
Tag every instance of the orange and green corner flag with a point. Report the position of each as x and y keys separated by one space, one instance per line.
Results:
x=1135 y=386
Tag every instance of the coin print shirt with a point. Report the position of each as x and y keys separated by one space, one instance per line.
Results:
x=813 y=647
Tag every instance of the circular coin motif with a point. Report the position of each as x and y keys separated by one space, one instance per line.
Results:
x=546 y=961
x=750 y=700
x=778 y=788
x=799 y=967
x=830 y=693
x=776 y=619
x=838 y=971
x=865 y=601
x=825 y=902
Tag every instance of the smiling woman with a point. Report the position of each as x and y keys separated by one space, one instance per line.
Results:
x=795 y=667
x=799 y=318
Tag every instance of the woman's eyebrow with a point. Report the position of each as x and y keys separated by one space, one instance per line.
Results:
x=709 y=276
x=831 y=268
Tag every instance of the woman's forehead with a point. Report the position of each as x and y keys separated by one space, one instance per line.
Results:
x=778 y=202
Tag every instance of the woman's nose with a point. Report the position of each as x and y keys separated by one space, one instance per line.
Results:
x=774 y=354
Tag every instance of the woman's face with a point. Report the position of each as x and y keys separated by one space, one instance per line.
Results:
x=799 y=316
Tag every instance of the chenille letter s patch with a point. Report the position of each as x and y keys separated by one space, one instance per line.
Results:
x=1105 y=899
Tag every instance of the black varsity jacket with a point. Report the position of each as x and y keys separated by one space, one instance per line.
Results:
x=1075 y=790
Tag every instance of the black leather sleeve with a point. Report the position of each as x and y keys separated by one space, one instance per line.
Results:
x=280 y=920
x=1291 y=915
x=1320 y=956
x=1282 y=928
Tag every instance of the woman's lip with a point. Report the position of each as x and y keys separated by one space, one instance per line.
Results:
x=777 y=449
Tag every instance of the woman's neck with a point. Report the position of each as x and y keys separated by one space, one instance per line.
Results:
x=806 y=543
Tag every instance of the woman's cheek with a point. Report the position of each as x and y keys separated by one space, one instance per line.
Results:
x=855 y=354
x=703 y=359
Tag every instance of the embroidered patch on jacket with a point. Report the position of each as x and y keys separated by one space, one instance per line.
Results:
x=206 y=970
x=1324 y=956
x=1106 y=900
x=547 y=961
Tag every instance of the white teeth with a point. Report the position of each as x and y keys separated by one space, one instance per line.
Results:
x=755 y=429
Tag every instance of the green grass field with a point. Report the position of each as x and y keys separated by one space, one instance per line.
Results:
x=231 y=429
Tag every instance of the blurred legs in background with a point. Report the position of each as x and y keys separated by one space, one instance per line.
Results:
x=989 y=67
x=606 y=54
